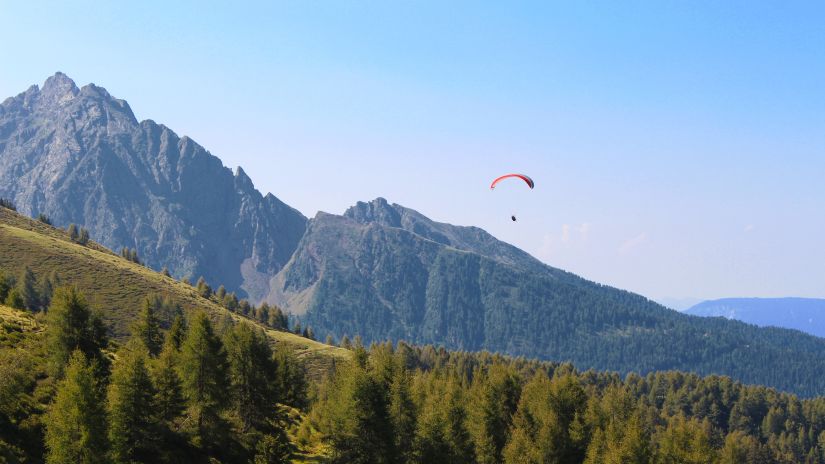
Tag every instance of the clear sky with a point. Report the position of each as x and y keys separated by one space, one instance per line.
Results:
x=678 y=148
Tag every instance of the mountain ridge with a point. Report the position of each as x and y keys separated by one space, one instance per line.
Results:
x=79 y=155
x=803 y=314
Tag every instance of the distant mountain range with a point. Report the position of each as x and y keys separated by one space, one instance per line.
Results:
x=805 y=314
x=380 y=270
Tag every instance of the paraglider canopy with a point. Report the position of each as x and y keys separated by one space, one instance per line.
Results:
x=523 y=177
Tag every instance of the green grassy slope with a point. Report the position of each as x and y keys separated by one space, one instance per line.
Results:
x=117 y=287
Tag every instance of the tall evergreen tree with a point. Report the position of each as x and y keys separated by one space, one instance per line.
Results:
x=403 y=414
x=133 y=419
x=169 y=399
x=72 y=326
x=14 y=299
x=177 y=333
x=203 y=372
x=83 y=237
x=76 y=421
x=203 y=288
x=147 y=327
x=251 y=374
x=73 y=233
x=496 y=399
x=5 y=286
x=27 y=286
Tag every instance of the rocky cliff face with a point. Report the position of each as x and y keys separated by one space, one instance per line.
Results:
x=80 y=156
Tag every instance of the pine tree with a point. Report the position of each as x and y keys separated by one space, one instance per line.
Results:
x=83 y=238
x=356 y=419
x=45 y=289
x=251 y=374
x=27 y=286
x=72 y=326
x=684 y=441
x=133 y=420
x=273 y=448
x=244 y=307
x=73 y=233
x=4 y=286
x=330 y=340
x=203 y=373
x=147 y=327
x=458 y=437
x=403 y=414
x=14 y=299
x=221 y=293
x=76 y=421
x=177 y=333
x=133 y=256
x=496 y=400
x=44 y=219
x=204 y=289
x=165 y=272
x=169 y=396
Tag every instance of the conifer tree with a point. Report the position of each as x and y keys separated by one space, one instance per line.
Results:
x=273 y=448
x=495 y=402
x=330 y=340
x=221 y=293
x=204 y=289
x=147 y=327
x=5 y=286
x=244 y=307
x=44 y=219
x=684 y=441
x=357 y=421
x=177 y=332
x=133 y=420
x=83 y=237
x=458 y=437
x=72 y=326
x=169 y=399
x=76 y=421
x=14 y=299
x=251 y=374
x=165 y=272
x=27 y=286
x=45 y=289
x=73 y=233
x=290 y=378
x=403 y=414
x=203 y=374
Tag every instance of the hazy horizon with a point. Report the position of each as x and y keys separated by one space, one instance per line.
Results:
x=677 y=150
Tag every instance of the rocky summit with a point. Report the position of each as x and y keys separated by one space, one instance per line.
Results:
x=80 y=156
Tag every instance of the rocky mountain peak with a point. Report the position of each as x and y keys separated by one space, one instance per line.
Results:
x=378 y=210
x=59 y=88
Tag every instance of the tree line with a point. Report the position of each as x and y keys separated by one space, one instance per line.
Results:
x=189 y=394
x=407 y=404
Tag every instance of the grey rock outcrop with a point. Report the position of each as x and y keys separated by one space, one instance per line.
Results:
x=80 y=156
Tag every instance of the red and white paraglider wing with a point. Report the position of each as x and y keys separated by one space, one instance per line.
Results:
x=523 y=177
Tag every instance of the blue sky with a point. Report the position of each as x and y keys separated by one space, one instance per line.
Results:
x=678 y=148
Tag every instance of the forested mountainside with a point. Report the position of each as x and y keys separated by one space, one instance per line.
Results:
x=79 y=155
x=385 y=272
x=805 y=314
